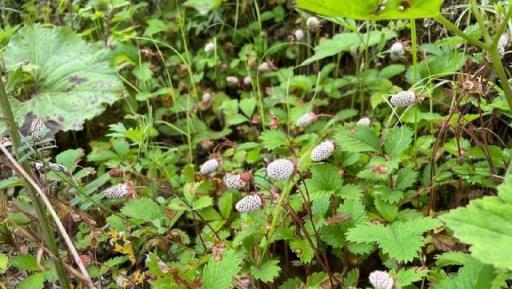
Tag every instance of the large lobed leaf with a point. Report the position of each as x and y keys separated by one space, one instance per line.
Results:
x=73 y=79
x=486 y=224
x=373 y=9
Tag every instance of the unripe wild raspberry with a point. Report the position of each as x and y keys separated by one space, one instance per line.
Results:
x=364 y=122
x=247 y=80
x=280 y=169
x=207 y=97
x=381 y=280
x=264 y=67
x=306 y=119
x=322 y=151
x=118 y=191
x=299 y=34
x=209 y=47
x=232 y=80
x=403 y=99
x=234 y=182
x=397 y=48
x=248 y=204
x=503 y=43
x=38 y=130
x=313 y=23
x=209 y=166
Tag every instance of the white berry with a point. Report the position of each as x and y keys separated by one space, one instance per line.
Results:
x=313 y=23
x=247 y=80
x=381 y=280
x=209 y=166
x=306 y=119
x=403 y=99
x=322 y=151
x=503 y=43
x=232 y=80
x=397 y=48
x=264 y=67
x=364 y=122
x=280 y=169
x=248 y=204
x=234 y=182
x=209 y=47
x=299 y=34
x=118 y=191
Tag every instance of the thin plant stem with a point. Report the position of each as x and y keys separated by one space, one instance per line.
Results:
x=43 y=220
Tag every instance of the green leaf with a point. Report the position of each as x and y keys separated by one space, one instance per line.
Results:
x=360 y=139
x=272 y=139
x=25 y=262
x=303 y=250
x=372 y=10
x=225 y=203
x=34 y=281
x=401 y=240
x=348 y=41
x=219 y=274
x=333 y=235
x=474 y=275
x=247 y=105
x=74 y=79
x=397 y=140
x=267 y=272
x=486 y=225
x=410 y=275
x=144 y=209
x=3 y=263
x=324 y=178
x=203 y=6
x=202 y=202
x=405 y=178
x=70 y=158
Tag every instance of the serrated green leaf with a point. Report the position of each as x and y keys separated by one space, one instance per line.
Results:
x=219 y=274
x=34 y=281
x=410 y=275
x=359 y=139
x=267 y=272
x=303 y=250
x=324 y=178
x=474 y=275
x=25 y=262
x=405 y=178
x=486 y=225
x=202 y=202
x=373 y=9
x=397 y=140
x=74 y=79
x=144 y=209
x=272 y=139
x=333 y=235
x=401 y=240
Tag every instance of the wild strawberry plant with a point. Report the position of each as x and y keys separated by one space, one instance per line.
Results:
x=255 y=144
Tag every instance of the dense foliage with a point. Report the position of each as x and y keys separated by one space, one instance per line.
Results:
x=255 y=144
